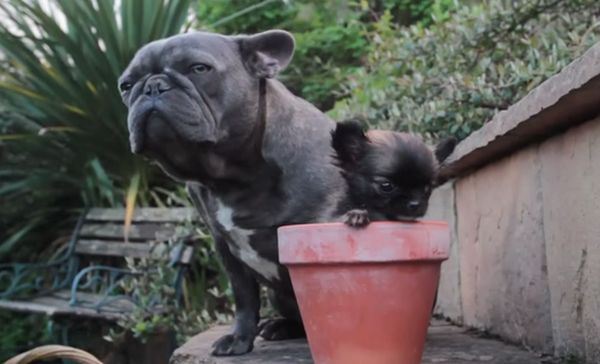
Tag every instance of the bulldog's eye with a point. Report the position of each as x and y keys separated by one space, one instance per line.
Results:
x=200 y=68
x=125 y=86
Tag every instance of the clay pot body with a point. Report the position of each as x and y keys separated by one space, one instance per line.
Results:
x=365 y=295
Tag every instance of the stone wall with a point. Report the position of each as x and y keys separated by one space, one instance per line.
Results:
x=523 y=198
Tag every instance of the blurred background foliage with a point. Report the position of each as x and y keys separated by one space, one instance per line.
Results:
x=332 y=37
x=20 y=332
x=453 y=73
x=434 y=67
x=64 y=136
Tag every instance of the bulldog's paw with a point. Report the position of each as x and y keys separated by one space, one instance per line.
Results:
x=357 y=218
x=281 y=329
x=232 y=344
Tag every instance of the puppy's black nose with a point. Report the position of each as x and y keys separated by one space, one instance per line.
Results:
x=156 y=85
x=414 y=205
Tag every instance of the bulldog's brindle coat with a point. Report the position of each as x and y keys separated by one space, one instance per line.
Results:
x=254 y=156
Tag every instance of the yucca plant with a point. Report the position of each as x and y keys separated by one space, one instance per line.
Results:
x=64 y=141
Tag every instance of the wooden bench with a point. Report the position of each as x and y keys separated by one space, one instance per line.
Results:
x=85 y=280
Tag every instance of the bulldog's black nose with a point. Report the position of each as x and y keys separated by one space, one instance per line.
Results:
x=156 y=85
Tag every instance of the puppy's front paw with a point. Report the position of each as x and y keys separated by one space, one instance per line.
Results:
x=357 y=218
x=232 y=344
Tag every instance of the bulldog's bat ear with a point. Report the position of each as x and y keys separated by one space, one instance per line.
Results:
x=444 y=148
x=349 y=141
x=267 y=53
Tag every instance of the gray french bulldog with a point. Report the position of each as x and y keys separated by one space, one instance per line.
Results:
x=254 y=157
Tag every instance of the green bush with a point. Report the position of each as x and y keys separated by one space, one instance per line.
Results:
x=21 y=332
x=331 y=36
x=330 y=39
x=323 y=60
x=205 y=298
x=408 y=12
x=454 y=75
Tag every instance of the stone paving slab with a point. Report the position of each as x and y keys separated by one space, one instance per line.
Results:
x=445 y=344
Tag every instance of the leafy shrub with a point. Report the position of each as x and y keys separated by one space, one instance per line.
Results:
x=454 y=75
x=330 y=39
x=323 y=60
x=156 y=305
x=330 y=35
x=408 y=12
x=21 y=332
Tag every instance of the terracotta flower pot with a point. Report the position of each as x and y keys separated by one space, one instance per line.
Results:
x=365 y=295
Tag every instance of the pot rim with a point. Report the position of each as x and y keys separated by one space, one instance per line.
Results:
x=374 y=223
x=379 y=242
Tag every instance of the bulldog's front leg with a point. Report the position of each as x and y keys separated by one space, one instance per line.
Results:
x=247 y=306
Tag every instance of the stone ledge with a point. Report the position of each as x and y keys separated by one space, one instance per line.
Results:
x=567 y=99
x=445 y=344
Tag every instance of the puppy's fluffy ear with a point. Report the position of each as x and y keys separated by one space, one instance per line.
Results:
x=266 y=54
x=444 y=148
x=349 y=141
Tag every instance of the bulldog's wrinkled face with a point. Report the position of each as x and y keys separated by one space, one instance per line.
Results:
x=195 y=90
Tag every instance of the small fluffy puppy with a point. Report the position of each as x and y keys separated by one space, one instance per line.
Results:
x=390 y=175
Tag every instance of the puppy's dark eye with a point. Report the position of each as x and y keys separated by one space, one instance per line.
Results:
x=125 y=86
x=387 y=187
x=200 y=68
